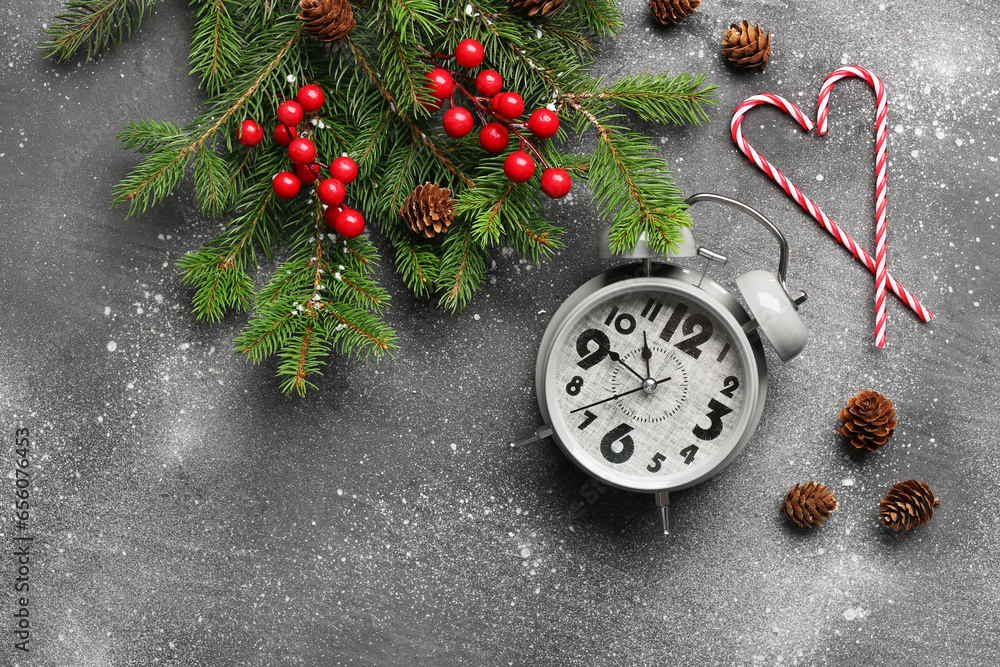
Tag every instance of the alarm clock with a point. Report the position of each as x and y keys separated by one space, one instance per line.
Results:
x=651 y=377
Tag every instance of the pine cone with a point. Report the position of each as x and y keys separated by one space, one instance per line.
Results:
x=869 y=420
x=747 y=47
x=908 y=504
x=669 y=12
x=328 y=20
x=538 y=7
x=809 y=504
x=428 y=210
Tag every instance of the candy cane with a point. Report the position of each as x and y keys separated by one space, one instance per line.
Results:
x=881 y=134
x=793 y=191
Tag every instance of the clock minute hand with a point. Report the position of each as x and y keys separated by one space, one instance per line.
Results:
x=614 y=396
x=646 y=353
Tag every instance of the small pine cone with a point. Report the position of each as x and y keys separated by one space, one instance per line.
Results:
x=809 y=504
x=869 y=420
x=538 y=7
x=669 y=12
x=746 y=46
x=908 y=504
x=328 y=20
x=428 y=210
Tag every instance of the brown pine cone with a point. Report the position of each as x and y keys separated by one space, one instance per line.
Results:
x=669 y=12
x=869 y=420
x=747 y=46
x=428 y=210
x=908 y=504
x=538 y=7
x=328 y=20
x=809 y=504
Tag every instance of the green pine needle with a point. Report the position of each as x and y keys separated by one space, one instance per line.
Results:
x=94 y=25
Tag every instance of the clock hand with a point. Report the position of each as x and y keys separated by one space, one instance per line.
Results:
x=614 y=356
x=646 y=353
x=614 y=396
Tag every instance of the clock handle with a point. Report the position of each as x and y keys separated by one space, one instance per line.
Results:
x=799 y=298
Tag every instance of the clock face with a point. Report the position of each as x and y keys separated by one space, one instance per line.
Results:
x=650 y=387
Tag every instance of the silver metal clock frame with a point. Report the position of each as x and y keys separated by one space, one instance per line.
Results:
x=692 y=285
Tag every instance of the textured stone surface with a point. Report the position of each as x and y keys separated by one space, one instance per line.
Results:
x=187 y=514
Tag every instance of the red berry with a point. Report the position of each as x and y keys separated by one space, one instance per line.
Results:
x=330 y=215
x=519 y=166
x=307 y=173
x=349 y=224
x=289 y=113
x=488 y=82
x=469 y=53
x=284 y=134
x=509 y=105
x=310 y=97
x=331 y=192
x=556 y=183
x=543 y=123
x=344 y=169
x=301 y=151
x=457 y=122
x=286 y=185
x=494 y=138
x=494 y=100
x=250 y=133
x=441 y=84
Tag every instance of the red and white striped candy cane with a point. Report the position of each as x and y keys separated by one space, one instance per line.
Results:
x=793 y=191
x=881 y=136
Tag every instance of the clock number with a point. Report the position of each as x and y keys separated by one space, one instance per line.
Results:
x=723 y=353
x=573 y=388
x=716 y=412
x=690 y=345
x=624 y=323
x=732 y=384
x=590 y=416
x=675 y=319
x=591 y=359
x=619 y=433
x=688 y=454
x=658 y=459
x=651 y=305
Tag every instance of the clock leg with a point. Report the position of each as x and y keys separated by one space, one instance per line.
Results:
x=663 y=502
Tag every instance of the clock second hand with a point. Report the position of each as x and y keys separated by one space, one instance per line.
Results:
x=614 y=396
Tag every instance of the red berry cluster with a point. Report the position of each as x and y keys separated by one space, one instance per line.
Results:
x=499 y=113
x=345 y=221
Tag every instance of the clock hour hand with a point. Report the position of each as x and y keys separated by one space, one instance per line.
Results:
x=614 y=396
x=614 y=356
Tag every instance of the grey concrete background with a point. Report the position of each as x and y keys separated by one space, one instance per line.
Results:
x=188 y=514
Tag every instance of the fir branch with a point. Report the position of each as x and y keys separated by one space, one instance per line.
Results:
x=213 y=187
x=462 y=268
x=216 y=44
x=655 y=97
x=94 y=25
x=420 y=266
x=633 y=187
x=601 y=16
x=157 y=175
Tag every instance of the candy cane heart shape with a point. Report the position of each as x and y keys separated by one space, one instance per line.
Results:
x=793 y=191
x=881 y=136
